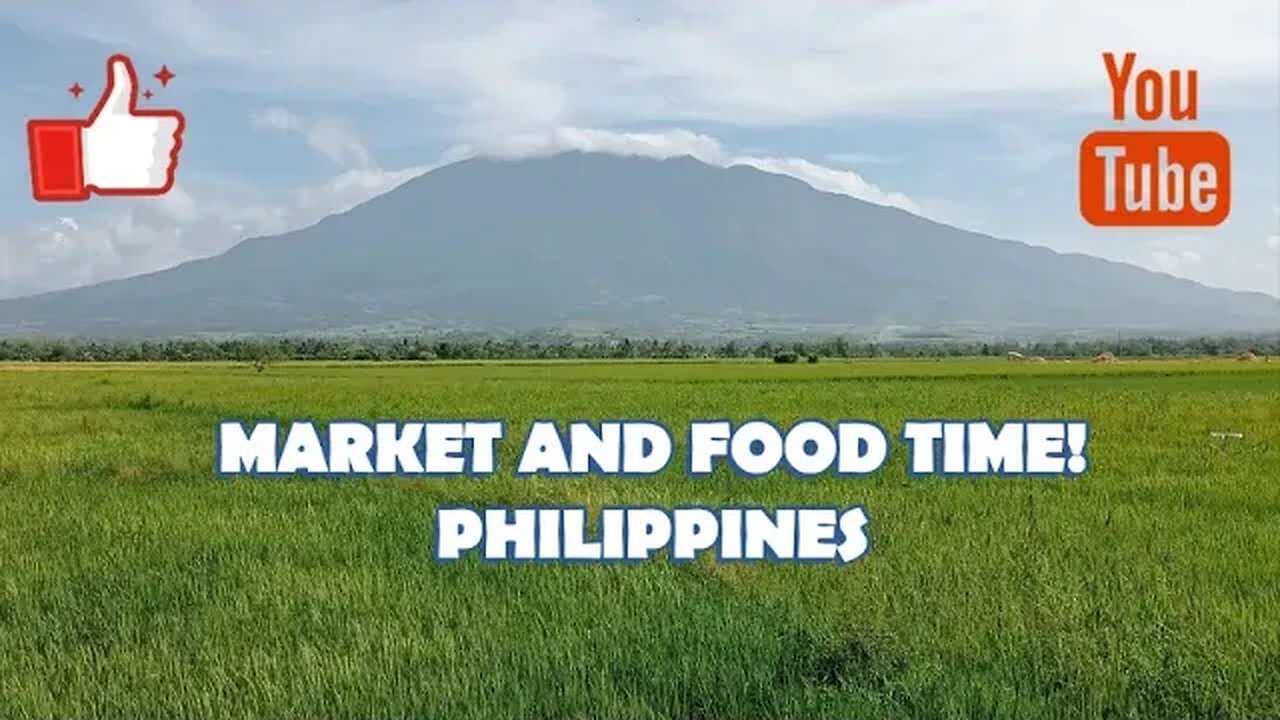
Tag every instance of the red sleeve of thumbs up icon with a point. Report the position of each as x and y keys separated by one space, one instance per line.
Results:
x=57 y=165
x=118 y=150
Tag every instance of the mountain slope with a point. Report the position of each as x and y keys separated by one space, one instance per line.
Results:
x=627 y=242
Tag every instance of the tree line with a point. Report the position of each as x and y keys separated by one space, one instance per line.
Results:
x=266 y=350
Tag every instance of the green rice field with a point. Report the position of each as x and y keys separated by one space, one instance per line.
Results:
x=135 y=583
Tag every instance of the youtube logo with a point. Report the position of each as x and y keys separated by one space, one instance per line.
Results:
x=1170 y=178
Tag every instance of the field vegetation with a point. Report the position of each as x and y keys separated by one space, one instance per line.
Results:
x=136 y=584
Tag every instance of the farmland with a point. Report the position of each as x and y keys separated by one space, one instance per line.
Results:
x=135 y=583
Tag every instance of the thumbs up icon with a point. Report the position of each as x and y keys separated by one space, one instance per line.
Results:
x=119 y=150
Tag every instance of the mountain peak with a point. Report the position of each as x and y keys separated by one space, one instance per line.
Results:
x=581 y=238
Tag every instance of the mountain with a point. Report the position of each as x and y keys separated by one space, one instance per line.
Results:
x=630 y=243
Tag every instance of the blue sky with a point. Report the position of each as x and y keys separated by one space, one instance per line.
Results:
x=970 y=113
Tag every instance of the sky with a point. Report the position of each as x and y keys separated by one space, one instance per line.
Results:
x=970 y=113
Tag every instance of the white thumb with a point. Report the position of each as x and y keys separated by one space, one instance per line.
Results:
x=121 y=94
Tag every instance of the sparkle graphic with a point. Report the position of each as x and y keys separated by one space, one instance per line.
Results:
x=148 y=94
x=165 y=75
x=75 y=90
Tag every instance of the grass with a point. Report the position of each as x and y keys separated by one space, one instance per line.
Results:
x=134 y=584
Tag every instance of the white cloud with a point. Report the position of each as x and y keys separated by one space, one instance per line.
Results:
x=658 y=145
x=1028 y=150
x=150 y=234
x=863 y=158
x=346 y=190
x=1174 y=262
x=841 y=182
x=1273 y=242
x=559 y=62
x=679 y=143
x=329 y=136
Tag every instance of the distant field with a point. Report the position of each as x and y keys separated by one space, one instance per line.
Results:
x=135 y=584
